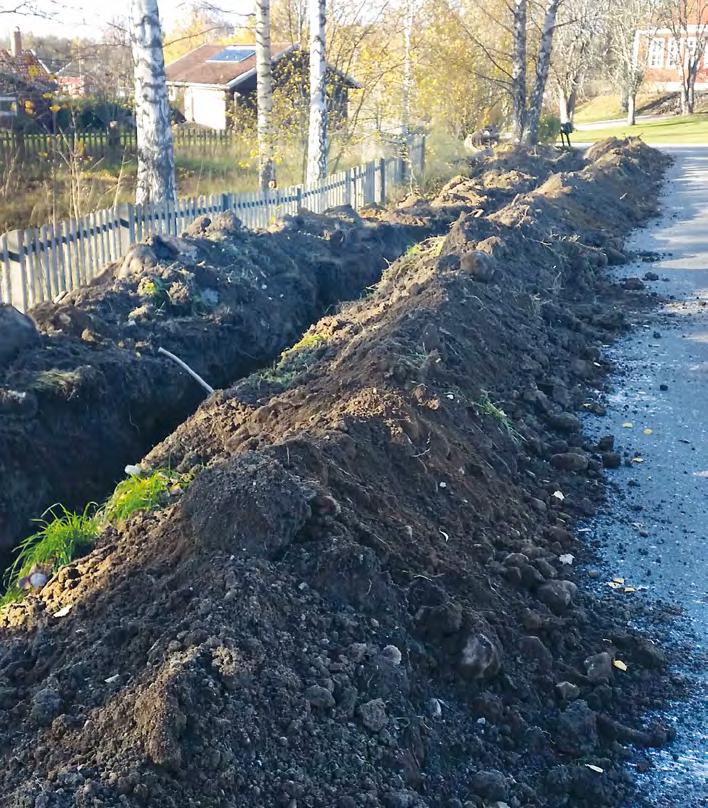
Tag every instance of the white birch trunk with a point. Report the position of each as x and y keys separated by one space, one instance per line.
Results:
x=407 y=89
x=631 y=108
x=407 y=72
x=156 y=162
x=317 y=140
x=542 y=64
x=566 y=105
x=264 y=96
x=518 y=70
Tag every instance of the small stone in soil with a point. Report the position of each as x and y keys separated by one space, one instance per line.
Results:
x=319 y=697
x=490 y=785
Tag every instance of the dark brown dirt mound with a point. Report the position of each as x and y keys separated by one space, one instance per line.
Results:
x=92 y=395
x=363 y=599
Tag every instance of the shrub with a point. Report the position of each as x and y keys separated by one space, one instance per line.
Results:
x=549 y=128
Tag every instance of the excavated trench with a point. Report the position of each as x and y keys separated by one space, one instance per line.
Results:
x=368 y=597
x=89 y=393
x=86 y=392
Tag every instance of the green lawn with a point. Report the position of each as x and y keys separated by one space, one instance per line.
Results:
x=608 y=107
x=688 y=129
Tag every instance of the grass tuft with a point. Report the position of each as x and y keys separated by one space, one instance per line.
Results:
x=306 y=343
x=67 y=535
x=293 y=360
x=137 y=493
x=485 y=406
x=154 y=290
x=58 y=541
x=57 y=382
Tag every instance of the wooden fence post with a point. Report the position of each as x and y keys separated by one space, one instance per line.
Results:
x=5 y=286
x=348 y=200
x=17 y=269
x=382 y=181
x=126 y=218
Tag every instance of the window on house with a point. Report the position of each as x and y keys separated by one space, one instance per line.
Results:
x=690 y=48
x=672 y=54
x=656 y=53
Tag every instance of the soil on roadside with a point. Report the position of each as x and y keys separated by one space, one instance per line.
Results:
x=367 y=595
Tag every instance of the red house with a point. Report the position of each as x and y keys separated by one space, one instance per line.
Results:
x=663 y=53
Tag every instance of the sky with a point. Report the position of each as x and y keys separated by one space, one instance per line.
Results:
x=86 y=18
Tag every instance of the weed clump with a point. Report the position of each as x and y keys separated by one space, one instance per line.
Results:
x=154 y=290
x=66 y=535
x=294 y=360
x=63 y=383
x=485 y=406
x=58 y=541
x=306 y=343
x=138 y=493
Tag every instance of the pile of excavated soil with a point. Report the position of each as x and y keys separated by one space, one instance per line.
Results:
x=364 y=598
x=86 y=393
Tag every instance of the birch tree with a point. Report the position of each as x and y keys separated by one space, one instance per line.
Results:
x=543 y=62
x=264 y=96
x=156 y=163
x=688 y=23
x=518 y=69
x=317 y=145
x=627 y=21
x=580 y=42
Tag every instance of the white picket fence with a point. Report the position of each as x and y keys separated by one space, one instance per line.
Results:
x=38 y=264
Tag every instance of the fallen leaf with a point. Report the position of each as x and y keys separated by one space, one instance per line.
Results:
x=648 y=431
x=566 y=558
x=618 y=580
x=614 y=584
x=595 y=768
x=628 y=425
x=637 y=460
x=619 y=664
x=629 y=589
x=63 y=612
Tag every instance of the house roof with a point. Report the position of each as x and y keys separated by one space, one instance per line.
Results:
x=203 y=66
x=24 y=71
x=197 y=67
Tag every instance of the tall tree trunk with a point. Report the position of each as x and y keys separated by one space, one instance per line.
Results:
x=407 y=88
x=691 y=95
x=407 y=71
x=631 y=107
x=566 y=105
x=542 y=64
x=684 y=98
x=317 y=142
x=156 y=160
x=518 y=72
x=264 y=96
